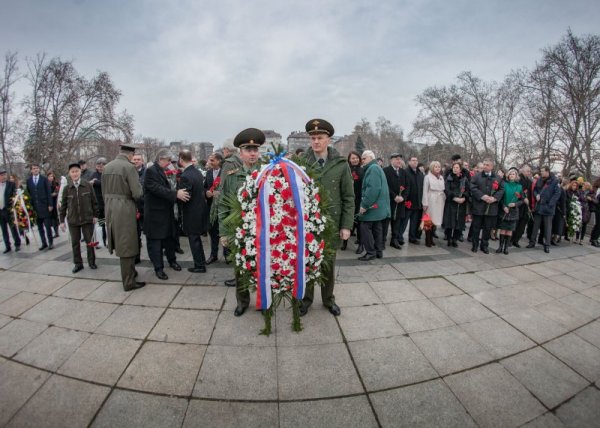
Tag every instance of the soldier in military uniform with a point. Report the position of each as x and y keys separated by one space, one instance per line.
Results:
x=248 y=141
x=334 y=177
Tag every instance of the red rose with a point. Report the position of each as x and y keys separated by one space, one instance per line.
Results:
x=408 y=204
x=375 y=206
x=495 y=185
x=402 y=188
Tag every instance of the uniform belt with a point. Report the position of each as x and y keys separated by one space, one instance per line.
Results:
x=115 y=196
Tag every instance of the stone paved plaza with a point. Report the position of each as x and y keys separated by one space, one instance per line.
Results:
x=427 y=337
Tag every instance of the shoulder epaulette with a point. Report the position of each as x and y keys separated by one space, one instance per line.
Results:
x=233 y=171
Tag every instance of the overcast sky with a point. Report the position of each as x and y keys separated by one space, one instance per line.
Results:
x=203 y=70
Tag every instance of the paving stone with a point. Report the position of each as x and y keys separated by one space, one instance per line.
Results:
x=51 y=348
x=470 y=283
x=497 y=277
x=547 y=420
x=238 y=373
x=109 y=292
x=101 y=359
x=78 y=288
x=436 y=287
x=134 y=409
x=131 y=321
x=571 y=282
x=299 y=380
x=535 y=325
x=86 y=316
x=231 y=414
x=390 y=362
x=528 y=295
x=396 y=291
x=428 y=404
x=550 y=288
x=593 y=293
x=200 y=298
x=339 y=412
x=493 y=397
x=235 y=331
x=583 y=304
x=166 y=368
x=6 y=293
x=591 y=333
x=20 y=303
x=185 y=326
x=544 y=270
x=319 y=327
x=4 y=320
x=17 y=384
x=497 y=336
x=551 y=381
x=462 y=308
x=581 y=411
x=419 y=315
x=33 y=283
x=450 y=349
x=589 y=276
x=49 y=310
x=522 y=274
x=60 y=400
x=564 y=314
x=501 y=301
x=357 y=323
x=17 y=334
x=577 y=354
x=355 y=294
x=153 y=295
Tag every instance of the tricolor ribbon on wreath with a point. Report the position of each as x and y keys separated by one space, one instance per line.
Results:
x=19 y=200
x=296 y=178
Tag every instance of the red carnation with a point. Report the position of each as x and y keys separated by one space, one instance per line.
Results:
x=276 y=172
x=254 y=174
x=272 y=199
x=248 y=266
x=318 y=198
x=375 y=206
x=244 y=252
x=402 y=188
x=285 y=256
x=495 y=185
x=276 y=253
x=245 y=194
x=275 y=266
x=408 y=204
x=286 y=193
x=318 y=254
x=278 y=185
x=310 y=237
x=355 y=176
x=518 y=195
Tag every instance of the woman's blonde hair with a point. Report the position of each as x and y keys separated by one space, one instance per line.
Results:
x=434 y=164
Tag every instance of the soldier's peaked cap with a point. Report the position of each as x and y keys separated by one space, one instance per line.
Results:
x=250 y=137
x=319 y=126
x=127 y=148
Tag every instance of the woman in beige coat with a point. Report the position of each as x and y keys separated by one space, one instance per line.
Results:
x=434 y=197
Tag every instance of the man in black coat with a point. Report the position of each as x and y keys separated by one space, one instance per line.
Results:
x=396 y=180
x=96 y=183
x=486 y=190
x=159 y=215
x=193 y=212
x=7 y=192
x=211 y=185
x=138 y=162
x=414 y=200
x=41 y=201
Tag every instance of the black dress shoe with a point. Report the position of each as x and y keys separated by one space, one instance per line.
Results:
x=303 y=309
x=93 y=266
x=239 y=310
x=197 y=270
x=51 y=247
x=43 y=247
x=17 y=248
x=413 y=241
x=554 y=243
x=485 y=251
x=8 y=250
x=474 y=250
x=516 y=245
x=179 y=251
x=546 y=248
x=461 y=238
x=530 y=245
x=137 y=260
x=335 y=310
x=231 y=282
x=138 y=284
x=379 y=254
x=77 y=268
x=160 y=274
x=454 y=244
x=360 y=249
x=395 y=244
x=175 y=266
x=366 y=258
x=344 y=244
x=211 y=259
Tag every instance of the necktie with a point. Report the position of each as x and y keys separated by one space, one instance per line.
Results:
x=397 y=173
x=35 y=179
x=321 y=162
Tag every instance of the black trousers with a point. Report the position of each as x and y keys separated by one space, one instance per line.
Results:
x=414 y=218
x=45 y=223
x=140 y=228
x=483 y=224
x=396 y=226
x=197 y=250
x=453 y=234
x=213 y=232
x=155 y=251
x=546 y=222
x=521 y=225
x=76 y=231
x=6 y=224
x=596 y=230
x=372 y=236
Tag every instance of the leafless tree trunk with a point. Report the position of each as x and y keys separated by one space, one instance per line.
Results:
x=7 y=81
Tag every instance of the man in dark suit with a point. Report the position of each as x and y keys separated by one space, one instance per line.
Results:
x=7 y=192
x=396 y=180
x=193 y=211
x=41 y=201
x=211 y=181
x=414 y=200
x=486 y=191
x=159 y=215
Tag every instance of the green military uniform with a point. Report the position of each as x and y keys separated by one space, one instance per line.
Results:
x=334 y=177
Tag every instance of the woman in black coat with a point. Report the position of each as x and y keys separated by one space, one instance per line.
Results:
x=455 y=209
x=357 y=176
x=559 y=222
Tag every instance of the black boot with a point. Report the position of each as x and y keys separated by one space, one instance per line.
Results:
x=506 y=244
x=501 y=245
x=360 y=249
x=344 y=244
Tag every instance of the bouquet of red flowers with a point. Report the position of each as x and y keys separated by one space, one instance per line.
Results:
x=215 y=184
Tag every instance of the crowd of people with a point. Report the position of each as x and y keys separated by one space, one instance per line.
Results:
x=173 y=197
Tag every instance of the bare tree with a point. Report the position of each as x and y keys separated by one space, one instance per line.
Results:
x=7 y=80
